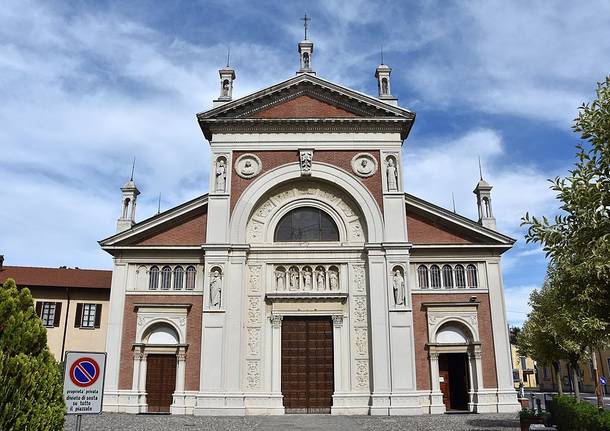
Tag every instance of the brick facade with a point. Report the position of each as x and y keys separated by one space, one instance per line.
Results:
x=421 y=230
x=420 y=326
x=193 y=336
x=189 y=231
x=304 y=107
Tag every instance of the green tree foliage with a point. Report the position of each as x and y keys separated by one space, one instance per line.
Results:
x=578 y=240
x=30 y=378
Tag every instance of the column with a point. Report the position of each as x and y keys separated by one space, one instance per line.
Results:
x=276 y=352
x=143 y=368
x=135 y=382
x=436 y=396
x=337 y=352
x=180 y=371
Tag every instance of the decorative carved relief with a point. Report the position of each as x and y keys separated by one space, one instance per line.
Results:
x=337 y=320
x=254 y=280
x=248 y=166
x=304 y=278
x=362 y=373
x=253 y=377
x=361 y=341
x=254 y=335
x=359 y=280
x=364 y=164
x=254 y=307
x=465 y=316
x=341 y=202
x=305 y=158
x=360 y=310
x=182 y=321
x=276 y=321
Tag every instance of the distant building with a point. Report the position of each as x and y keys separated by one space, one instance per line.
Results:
x=72 y=303
x=546 y=375
x=524 y=369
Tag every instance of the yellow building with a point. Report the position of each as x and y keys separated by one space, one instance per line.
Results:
x=586 y=382
x=72 y=303
x=524 y=369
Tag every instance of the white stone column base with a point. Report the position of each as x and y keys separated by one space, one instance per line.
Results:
x=405 y=404
x=125 y=401
x=348 y=403
x=380 y=404
x=436 y=403
x=507 y=401
x=184 y=403
x=264 y=404
x=485 y=401
x=220 y=404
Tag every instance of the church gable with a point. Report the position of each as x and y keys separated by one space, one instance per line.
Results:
x=189 y=231
x=422 y=230
x=304 y=106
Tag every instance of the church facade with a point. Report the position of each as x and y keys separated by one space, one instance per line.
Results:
x=307 y=280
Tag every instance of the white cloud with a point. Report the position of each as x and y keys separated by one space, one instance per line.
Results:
x=517 y=306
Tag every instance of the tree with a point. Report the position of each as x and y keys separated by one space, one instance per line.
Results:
x=30 y=379
x=577 y=241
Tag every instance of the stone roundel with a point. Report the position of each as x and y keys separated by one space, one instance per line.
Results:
x=364 y=164
x=248 y=166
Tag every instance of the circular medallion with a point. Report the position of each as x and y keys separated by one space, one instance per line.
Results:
x=248 y=166
x=364 y=164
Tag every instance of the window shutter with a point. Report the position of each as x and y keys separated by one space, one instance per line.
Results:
x=57 y=314
x=98 y=315
x=39 y=308
x=79 y=315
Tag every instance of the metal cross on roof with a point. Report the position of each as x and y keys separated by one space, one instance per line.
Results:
x=305 y=20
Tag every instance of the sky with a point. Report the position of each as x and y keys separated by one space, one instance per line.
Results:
x=86 y=85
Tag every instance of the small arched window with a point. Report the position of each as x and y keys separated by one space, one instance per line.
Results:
x=190 y=277
x=447 y=277
x=153 y=278
x=435 y=277
x=422 y=277
x=178 y=278
x=306 y=224
x=166 y=278
x=471 y=275
x=460 y=278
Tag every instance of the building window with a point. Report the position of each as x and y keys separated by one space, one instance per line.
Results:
x=545 y=372
x=460 y=278
x=447 y=277
x=522 y=362
x=422 y=276
x=49 y=313
x=471 y=273
x=178 y=278
x=166 y=277
x=153 y=278
x=306 y=224
x=88 y=315
x=190 y=277
x=435 y=277
x=516 y=377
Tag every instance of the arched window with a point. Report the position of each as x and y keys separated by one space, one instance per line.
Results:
x=460 y=278
x=471 y=275
x=447 y=277
x=435 y=277
x=178 y=278
x=190 y=278
x=166 y=278
x=422 y=277
x=306 y=224
x=153 y=278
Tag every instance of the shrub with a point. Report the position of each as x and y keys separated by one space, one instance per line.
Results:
x=30 y=378
x=571 y=415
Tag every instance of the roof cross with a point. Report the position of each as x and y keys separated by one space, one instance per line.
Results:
x=305 y=20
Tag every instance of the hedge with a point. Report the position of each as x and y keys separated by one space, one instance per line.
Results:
x=571 y=415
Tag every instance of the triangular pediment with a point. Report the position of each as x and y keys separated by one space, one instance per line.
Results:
x=305 y=101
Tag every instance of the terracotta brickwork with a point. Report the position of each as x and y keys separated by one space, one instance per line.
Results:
x=304 y=107
x=193 y=336
x=425 y=231
x=420 y=328
x=273 y=159
x=190 y=231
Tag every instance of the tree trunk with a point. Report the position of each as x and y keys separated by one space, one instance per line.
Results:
x=575 y=381
x=557 y=370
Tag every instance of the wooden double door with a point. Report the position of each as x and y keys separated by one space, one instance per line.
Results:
x=307 y=364
x=453 y=373
x=160 y=382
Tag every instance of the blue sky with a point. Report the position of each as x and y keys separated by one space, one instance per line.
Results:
x=85 y=85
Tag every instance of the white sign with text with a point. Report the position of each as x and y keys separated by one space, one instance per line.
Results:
x=84 y=382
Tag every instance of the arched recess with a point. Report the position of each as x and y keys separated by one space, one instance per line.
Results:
x=453 y=332
x=250 y=198
x=161 y=333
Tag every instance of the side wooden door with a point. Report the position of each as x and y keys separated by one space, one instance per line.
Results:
x=160 y=382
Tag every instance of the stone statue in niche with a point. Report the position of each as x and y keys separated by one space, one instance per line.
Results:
x=215 y=289
x=280 y=280
x=333 y=280
x=320 y=281
x=221 y=175
x=305 y=61
x=306 y=278
x=305 y=157
x=392 y=174
x=294 y=279
x=384 y=86
x=248 y=169
x=225 y=88
x=398 y=285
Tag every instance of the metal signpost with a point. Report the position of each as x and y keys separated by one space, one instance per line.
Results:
x=84 y=383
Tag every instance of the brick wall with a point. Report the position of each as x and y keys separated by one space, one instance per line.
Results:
x=272 y=159
x=193 y=336
x=189 y=231
x=424 y=231
x=420 y=328
x=304 y=107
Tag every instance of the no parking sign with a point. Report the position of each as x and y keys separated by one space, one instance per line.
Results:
x=84 y=382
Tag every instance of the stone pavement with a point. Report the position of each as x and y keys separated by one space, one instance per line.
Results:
x=453 y=422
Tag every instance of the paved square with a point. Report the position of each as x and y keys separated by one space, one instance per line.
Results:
x=453 y=422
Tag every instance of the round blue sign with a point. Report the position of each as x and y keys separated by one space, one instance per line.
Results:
x=602 y=380
x=84 y=372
